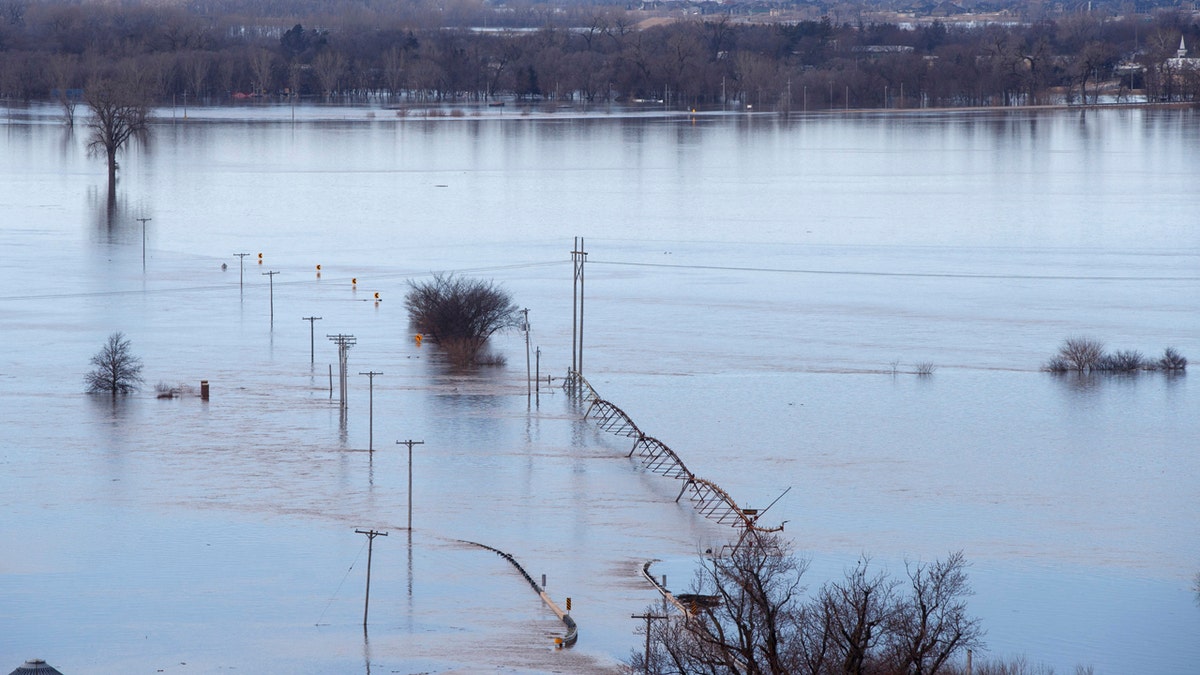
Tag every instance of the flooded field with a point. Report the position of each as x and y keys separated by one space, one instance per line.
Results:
x=759 y=295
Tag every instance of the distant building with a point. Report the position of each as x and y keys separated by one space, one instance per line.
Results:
x=1181 y=61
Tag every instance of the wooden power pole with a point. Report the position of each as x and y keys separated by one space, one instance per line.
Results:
x=371 y=534
x=410 y=444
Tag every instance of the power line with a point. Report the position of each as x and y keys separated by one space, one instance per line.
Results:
x=866 y=273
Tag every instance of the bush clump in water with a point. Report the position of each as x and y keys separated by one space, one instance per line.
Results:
x=459 y=315
x=1085 y=355
x=1172 y=361
x=1124 y=361
x=1077 y=353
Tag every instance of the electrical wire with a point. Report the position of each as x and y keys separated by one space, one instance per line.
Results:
x=863 y=273
x=343 y=582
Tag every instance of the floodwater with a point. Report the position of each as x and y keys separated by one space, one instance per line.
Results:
x=758 y=295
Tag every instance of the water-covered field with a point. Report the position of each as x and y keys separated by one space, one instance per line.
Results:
x=759 y=294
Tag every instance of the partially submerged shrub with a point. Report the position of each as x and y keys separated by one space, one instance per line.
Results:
x=1123 y=361
x=460 y=314
x=164 y=390
x=1172 y=360
x=1085 y=355
x=1081 y=353
x=1056 y=365
x=925 y=368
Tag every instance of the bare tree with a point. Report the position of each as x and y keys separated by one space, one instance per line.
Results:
x=742 y=616
x=932 y=624
x=1077 y=353
x=119 y=114
x=747 y=616
x=262 y=65
x=117 y=370
x=855 y=613
x=459 y=314
x=65 y=69
x=329 y=66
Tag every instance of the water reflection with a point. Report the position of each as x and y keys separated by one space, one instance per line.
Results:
x=67 y=145
x=1084 y=383
x=107 y=211
x=366 y=649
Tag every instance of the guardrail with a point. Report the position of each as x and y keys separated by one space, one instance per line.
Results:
x=572 y=634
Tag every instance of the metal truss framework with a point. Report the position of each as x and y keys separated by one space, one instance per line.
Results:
x=706 y=497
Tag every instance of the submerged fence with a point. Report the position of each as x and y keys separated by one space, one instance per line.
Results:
x=705 y=496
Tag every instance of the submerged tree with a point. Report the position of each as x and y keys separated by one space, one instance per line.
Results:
x=118 y=114
x=459 y=314
x=117 y=370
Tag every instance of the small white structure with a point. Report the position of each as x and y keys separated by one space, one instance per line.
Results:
x=1181 y=61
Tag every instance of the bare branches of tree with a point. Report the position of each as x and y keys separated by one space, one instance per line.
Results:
x=931 y=624
x=748 y=615
x=119 y=114
x=117 y=370
x=460 y=314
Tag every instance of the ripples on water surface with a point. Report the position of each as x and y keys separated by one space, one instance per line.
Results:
x=751 y=287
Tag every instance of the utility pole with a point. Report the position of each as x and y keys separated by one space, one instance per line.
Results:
x=578 y=257
x=371 y=425
x=648 y=618
x=143 y=222
x=242 y=270
x=271 y=276
x=371 y=534
x=311 y=348
x=344 y=343
x=528 y=381
x=410 y=444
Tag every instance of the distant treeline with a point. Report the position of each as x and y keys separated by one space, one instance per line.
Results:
x=465 y=50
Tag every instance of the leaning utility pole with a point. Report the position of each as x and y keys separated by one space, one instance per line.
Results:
x=371 y=414
x=311 y=348
x=410 y=444
x=371 y=534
